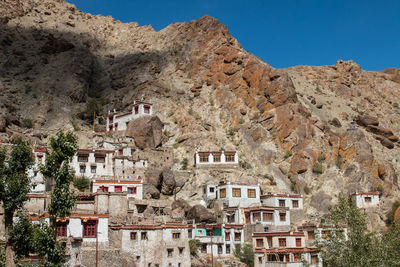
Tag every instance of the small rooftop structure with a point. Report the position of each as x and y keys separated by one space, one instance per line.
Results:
x=292 y=201
x=216 y=158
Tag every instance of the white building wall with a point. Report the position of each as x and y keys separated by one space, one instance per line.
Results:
x=243 y=200
x=105 y=168
x=274 y=201
x=276 y=217
x=111 y=188
x=211 y=160
x=360 y=200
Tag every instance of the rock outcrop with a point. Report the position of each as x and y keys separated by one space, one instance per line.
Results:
x=146 y=131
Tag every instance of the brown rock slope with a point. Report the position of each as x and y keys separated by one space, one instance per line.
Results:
x=290 y=126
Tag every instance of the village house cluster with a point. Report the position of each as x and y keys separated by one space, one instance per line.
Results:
x=114 y=216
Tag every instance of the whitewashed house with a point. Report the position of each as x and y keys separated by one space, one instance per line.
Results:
x=268 y=216
x=133 y=186
x=126 y=163
x=91 y=163
x=320 y=233
x=119 y=121
x=292 y=201
x=38 y=183
x=218 y=240
x=233 y=194
x=278 y=249
x=216 y=158
x=365 y=200
x=156 y=245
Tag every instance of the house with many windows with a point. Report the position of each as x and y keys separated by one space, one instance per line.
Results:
x=365 y=199
x=278 y=249
x=161 y=245
x=216 y=158
x=133 y=187
x=232 y=194
x=320 y=233
x=93 y=162
x=292 y=201
x=119 y=121
x=273 y=217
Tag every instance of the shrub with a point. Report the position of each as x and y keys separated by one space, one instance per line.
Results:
x=338 y=161
x=27 y=123
x=194 y=246
x=230 y=132
x=184 y=163
x=190 y=111
x=395 y=105
x=241 y=121
x=318 y=168
x=244 y=165
x=391 y=213
x=81 y=183
x=245 y=254
x=288 y=154
x=321 y=157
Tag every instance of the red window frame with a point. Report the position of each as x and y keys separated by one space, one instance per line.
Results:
x=136 y=110
x=298 y=242
x=147 y=109
x=282 y=242
x=104 y=188
x=118 y=188
x=132 y=190
x=90 y=229
x=61 y=229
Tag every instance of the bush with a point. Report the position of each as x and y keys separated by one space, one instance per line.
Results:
x=194 y=246
x=81 y=183
x=184 y=163
x=391 y=213
x=244 y=165
x=338 y=161
x=245 y=254
x=318 y=168
x=321 y=157
x=288 y=154
x=27 y=123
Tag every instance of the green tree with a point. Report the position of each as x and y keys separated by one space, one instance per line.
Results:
x=245 y=254
x=14 y=185
x=361 y=247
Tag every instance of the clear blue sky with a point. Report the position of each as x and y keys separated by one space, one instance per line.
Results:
x=282 y=32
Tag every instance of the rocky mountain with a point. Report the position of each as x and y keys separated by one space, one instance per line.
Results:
x=292 y=127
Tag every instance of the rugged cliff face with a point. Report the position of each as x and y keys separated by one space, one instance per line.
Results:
x=290 y=126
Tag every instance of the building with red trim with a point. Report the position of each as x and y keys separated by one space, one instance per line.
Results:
x=119 y=121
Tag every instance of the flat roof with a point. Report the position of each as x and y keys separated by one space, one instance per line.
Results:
x=281 y=195
x=264 y=234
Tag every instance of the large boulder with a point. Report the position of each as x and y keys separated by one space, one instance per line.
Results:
x=146 y=131
x=181 y=204
x=200 y=214
x=321 y=201
x=168 y=182
x=366 y=120
x=150 y=191
x=153 y=176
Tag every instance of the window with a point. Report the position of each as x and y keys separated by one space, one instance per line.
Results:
x=251 y=193
x=325 y=235
x=238 y=236
x=236 y=192
x=282 y=203
x=297 y=257
x=282 y=242
x=83 y=158
x=116 y=126
x=132 y=190
x=82 y=168
x=310 y=235
x=136 y=109
x=181 y=251
x=147 y=109
x=89 y=229
x=282 y=216
x=314 y=259
x=61 y=229
x=169 y=251
x=203 y=157
x=118 y=188
x=259 y=243
x=256 y=216
x=176 y=235
x=219 y=249
x=143 y=235
x=190 y=233
x=100 y=159
x=298 y=242
x=295 y=203
x=120 y=152
x=104 y=189
x=222 y=193
x=230 y=157
x=259 y=259
x=227 y=236
x=133 y=235
x=367 y=199
x=92 y=169
x=203 y=248
x=132 y=152
x=212 y=189
x=267 y=216
x=228 y=249
x=217 y=157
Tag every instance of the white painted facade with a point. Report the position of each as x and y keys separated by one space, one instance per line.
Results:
x=119 y=121
x=274 y=216
x=321 y=233
x=156 y=245
x=92 y=163
x=216 y=158
x=235 y=195
x=38 y=184
x=366 y=200
x=292 y=201
x=134 y=189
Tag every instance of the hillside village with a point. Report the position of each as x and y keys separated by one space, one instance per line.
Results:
x=117 y=222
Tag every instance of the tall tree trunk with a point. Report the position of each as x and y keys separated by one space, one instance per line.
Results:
x=8 y=220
